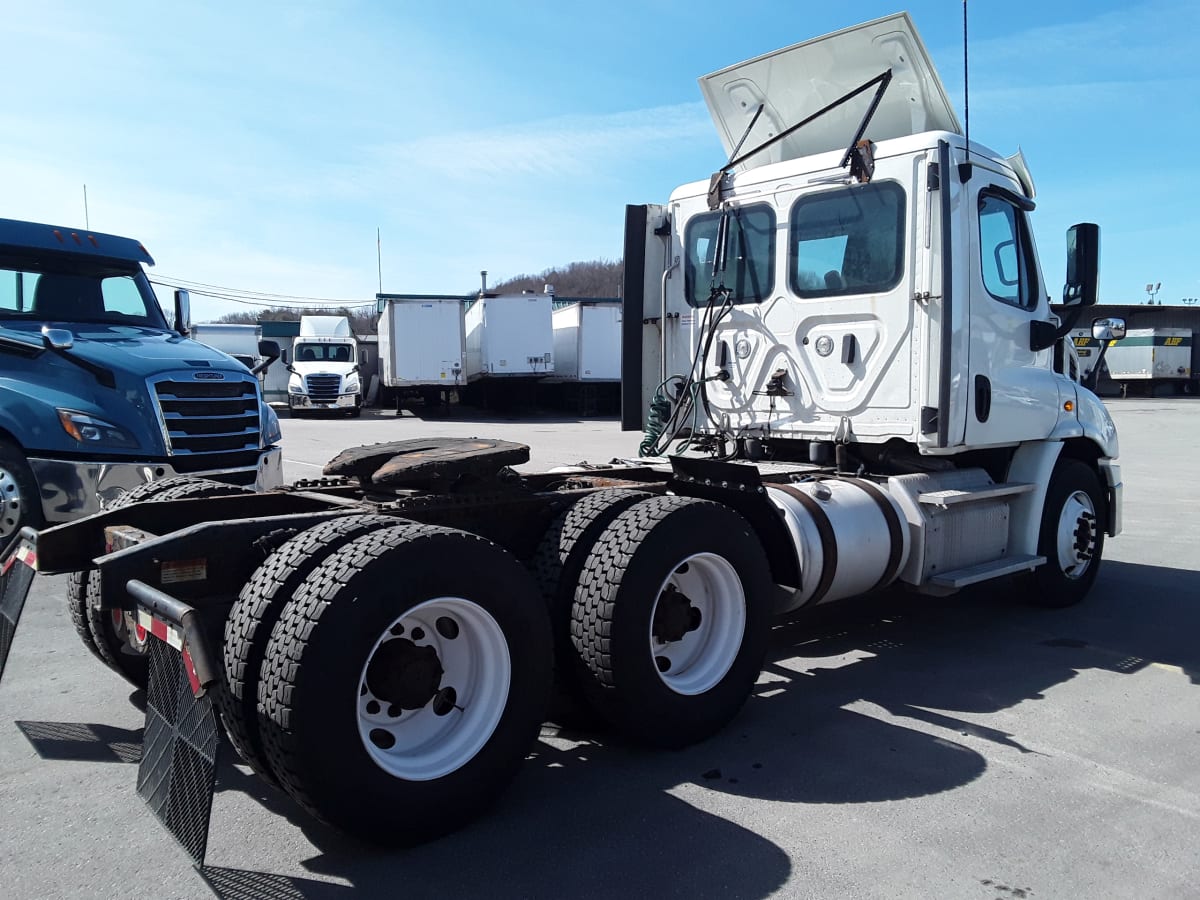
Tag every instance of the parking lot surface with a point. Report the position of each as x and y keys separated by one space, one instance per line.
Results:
x=901 y=746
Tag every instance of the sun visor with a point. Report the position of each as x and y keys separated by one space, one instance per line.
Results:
x=793 y=83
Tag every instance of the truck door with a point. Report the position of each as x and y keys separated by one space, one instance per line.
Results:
x=1011 y=392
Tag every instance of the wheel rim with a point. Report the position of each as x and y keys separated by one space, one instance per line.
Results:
x=1076 y=535
x=697 y=624
x=433 y=689
x=12 y=510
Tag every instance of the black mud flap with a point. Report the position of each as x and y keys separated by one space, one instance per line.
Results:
x=178 y=770
x=16 y=576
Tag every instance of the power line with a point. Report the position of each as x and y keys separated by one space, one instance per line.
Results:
x=251 y=298
x=188 y=284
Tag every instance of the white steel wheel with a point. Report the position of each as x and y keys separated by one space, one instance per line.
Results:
x=697 y=624
x=1077 y=529
x=671 y=618
x=1071 y=536
x=433 y=689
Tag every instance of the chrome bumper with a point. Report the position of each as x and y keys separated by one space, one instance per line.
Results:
x=71 y=490
x=303 y=401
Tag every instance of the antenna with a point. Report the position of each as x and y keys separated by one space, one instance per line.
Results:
x=379 y=256
x=87 y=223
x=964 y=170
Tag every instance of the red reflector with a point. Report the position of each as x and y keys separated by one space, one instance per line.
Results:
x=57 y=234
x=92 y=238
x=76 y=237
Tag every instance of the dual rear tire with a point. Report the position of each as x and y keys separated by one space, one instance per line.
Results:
x=401 y=682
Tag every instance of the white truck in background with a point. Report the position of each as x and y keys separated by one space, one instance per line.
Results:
x=422 y=347
x=856 y=377
x=324 y=368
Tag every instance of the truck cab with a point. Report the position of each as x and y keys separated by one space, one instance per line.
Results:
x=861 y=288
x=99 y=394
x=324 y=367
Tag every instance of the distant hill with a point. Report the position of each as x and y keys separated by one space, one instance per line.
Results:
x=600 y=278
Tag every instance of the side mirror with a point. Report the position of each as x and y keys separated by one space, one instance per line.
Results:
x=183 y=312
x=283 y=356
x=380 y=304
x=269 y=351
x=1083 y=265
x=1109 y=329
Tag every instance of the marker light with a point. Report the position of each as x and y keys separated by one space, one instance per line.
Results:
x=1068 y=406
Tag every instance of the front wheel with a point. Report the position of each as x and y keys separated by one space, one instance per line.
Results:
x=405 y=682
x=671 y=616
x=1071 y=536
x=20 y=502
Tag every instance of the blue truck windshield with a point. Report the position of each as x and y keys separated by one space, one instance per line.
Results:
x=83 y=293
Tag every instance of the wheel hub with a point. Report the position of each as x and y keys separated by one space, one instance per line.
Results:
x=674 y=616
x=404 y=674
x=1085 y=536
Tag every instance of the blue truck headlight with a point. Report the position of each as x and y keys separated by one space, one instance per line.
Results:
x=90 y=430
x=272 y=432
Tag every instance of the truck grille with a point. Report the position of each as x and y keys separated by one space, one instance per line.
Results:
x=210 y=418
x=324 y=387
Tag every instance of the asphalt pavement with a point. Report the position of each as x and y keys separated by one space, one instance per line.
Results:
x=897 y=747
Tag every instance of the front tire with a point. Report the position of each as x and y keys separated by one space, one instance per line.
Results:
x=672 y=616
x=1071 y=536
x=405 y=682
x=20 y=501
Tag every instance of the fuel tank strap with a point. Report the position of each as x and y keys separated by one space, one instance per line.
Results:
x=829 y=553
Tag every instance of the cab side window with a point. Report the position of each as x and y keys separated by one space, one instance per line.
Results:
x=1006 y=253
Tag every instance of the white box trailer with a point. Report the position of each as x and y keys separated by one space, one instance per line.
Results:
x=587 y=341
x=238 y=341
x=510 y=334
x=1152 y=357
x=422 y=344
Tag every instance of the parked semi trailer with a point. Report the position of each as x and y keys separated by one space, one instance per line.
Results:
x=847 y=395
x=422 y=347
x=1147 y=359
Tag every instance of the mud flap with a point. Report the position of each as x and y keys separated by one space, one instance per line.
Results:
x=16 y=577
x=177 y=774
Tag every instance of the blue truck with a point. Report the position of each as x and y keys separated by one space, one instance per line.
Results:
x=99 y=394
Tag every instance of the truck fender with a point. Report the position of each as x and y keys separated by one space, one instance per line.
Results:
x=1033 y=462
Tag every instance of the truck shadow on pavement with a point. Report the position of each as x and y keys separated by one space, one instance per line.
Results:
x=880 y=699
x=869 y=701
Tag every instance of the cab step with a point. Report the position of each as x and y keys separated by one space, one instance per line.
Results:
x=1006 y=565
x=955 y=496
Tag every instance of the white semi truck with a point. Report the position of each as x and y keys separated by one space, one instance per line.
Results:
x=856 y=377
x=324 y=368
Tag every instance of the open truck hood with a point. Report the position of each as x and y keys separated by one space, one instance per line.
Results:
x=795 y=82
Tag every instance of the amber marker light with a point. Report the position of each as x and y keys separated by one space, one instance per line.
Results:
x=1068 y=406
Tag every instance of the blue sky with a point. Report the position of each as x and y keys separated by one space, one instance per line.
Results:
x=259 y=146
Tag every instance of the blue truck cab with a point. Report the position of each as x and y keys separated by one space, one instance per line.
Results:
x=99 y=394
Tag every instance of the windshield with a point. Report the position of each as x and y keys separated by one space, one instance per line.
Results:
x=76 y=292
x=323 y=353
